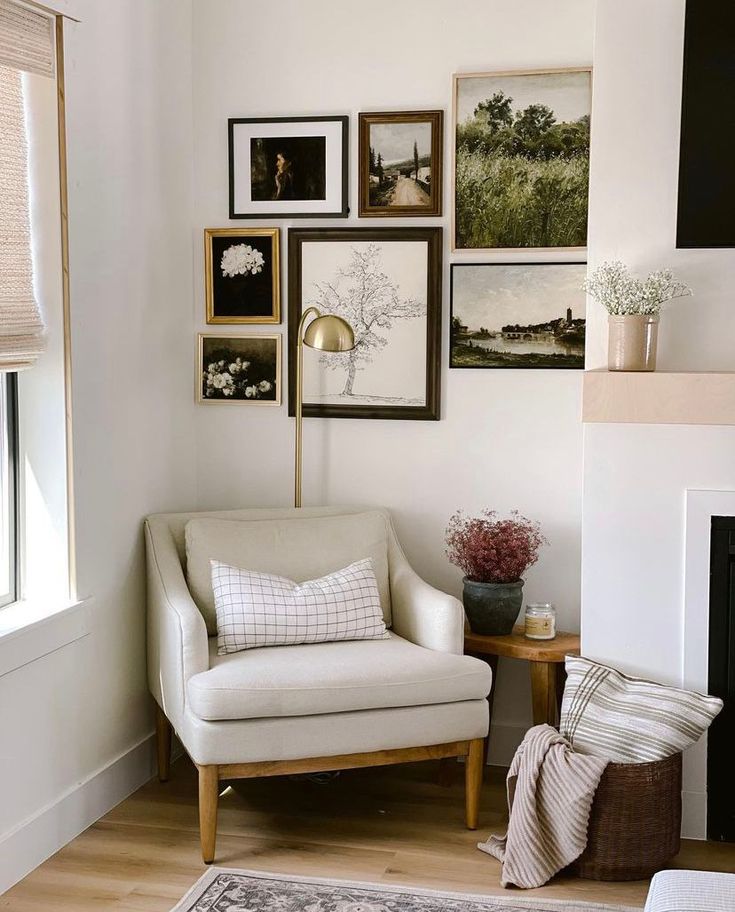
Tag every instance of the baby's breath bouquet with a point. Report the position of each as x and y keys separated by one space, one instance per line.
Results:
x=621 y=293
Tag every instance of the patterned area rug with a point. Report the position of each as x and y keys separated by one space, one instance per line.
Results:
x=232 y=890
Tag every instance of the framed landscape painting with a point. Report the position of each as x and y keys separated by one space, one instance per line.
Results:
x=288 y=167
x=401 y=163
x=242 y=275
x=239 y=368
x=386 y=283
x=518 y=315
x=521 y=159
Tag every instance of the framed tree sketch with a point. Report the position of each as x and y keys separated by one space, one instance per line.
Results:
x=288 y=167
x=239 y=368
x=386 y=283
x=242 y=275
x=521 y=159
x=526 y=315
x=401 y=163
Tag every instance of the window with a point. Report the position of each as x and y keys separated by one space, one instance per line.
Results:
x=8 y=489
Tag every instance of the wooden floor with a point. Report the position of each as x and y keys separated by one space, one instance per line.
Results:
x=391 y=825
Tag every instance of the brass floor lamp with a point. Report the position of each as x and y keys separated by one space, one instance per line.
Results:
x=328 y=333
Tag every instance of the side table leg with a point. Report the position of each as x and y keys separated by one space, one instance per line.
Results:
x=492 y=661
x=543 y=692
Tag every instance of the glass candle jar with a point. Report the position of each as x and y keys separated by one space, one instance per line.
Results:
x=540 y=621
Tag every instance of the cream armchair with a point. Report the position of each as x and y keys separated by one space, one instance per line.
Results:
x=288 y=709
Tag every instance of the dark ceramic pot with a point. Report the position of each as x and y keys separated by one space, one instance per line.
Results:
x=492 y=608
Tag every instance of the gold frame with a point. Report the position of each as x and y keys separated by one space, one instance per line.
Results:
x=275 y=235
x=475 y=251
x=366 y=120
x=202 y=400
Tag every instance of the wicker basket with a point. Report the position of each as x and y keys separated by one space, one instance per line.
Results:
x=635 y=824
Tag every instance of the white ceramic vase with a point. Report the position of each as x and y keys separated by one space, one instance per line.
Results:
x=632 y=341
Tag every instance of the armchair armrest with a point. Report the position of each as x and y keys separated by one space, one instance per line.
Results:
x=178 y=646
x=425 y=615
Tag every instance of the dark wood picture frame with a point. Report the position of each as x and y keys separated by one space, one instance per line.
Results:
x=521 y=264
x=433 y=237
x=368 y=120
x=343 y=209
x=273 y=269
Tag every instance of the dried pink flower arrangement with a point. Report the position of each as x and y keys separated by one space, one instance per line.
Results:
x=491 y=550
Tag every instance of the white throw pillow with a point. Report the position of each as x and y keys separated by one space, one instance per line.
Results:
x=299 y=548
x=607 y=714
x=260 y=609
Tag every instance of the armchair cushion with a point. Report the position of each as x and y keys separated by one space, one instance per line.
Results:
x=323 y=678
x=298 y=548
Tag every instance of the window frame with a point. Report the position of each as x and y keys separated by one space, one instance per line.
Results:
x=12 y=508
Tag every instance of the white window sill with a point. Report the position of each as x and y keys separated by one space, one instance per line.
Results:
x=30 y=630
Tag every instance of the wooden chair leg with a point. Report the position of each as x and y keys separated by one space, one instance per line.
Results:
x=208 y=797
x=473 y=782
x=163 y=744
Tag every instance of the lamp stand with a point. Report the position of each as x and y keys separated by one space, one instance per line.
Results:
x=299 y=399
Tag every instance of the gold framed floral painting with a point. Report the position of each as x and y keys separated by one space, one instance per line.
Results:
x=239 y=368
x=242 y=275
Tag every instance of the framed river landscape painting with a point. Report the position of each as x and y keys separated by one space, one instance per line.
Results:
x=518 y=315
x=521 y=159
x=386 y=283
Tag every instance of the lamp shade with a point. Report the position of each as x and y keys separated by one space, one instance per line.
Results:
x=329 y=333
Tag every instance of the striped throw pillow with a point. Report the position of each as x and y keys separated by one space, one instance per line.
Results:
x=626 y=720
x=260 y=609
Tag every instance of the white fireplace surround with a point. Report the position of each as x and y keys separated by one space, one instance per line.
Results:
x=701 y=506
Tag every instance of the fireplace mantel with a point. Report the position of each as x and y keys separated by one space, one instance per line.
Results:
x=658 y=397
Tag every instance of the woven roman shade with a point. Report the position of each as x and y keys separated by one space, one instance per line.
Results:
x=21 y=327
x=26 y=39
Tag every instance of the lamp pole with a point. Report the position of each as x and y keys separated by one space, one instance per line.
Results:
x=299 y=397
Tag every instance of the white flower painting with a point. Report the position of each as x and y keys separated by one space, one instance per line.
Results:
x=241 y=259
x=242 y=275
x=239 y=369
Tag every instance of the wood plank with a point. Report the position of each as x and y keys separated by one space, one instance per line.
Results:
x=516 y=646
x=343 y=761
x=658 y=397
x=389 y=825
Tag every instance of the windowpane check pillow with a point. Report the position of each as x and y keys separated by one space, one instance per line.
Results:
x=260 y=609
x=626 y=720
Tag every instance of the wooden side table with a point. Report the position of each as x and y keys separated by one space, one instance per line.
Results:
x=546 y=658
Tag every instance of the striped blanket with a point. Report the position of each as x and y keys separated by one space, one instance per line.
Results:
x=550 y=793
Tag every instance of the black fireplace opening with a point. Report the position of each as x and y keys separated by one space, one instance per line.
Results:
x=720 y=778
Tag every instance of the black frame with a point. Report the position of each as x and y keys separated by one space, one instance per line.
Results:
x=11 y=415
x=721 y=680
x=433 y=238
x=343 y=212
x=522 y=263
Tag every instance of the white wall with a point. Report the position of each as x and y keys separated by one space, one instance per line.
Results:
x=507 y=439
x=75 y=723
x=633 y=183
x=635 y=476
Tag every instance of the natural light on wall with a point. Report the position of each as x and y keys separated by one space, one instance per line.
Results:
x=32 y=319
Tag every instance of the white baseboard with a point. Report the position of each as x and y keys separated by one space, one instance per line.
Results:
x=504 y=740
x=37 y=838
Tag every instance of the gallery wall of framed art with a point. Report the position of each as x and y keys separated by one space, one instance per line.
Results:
x=518 y=181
